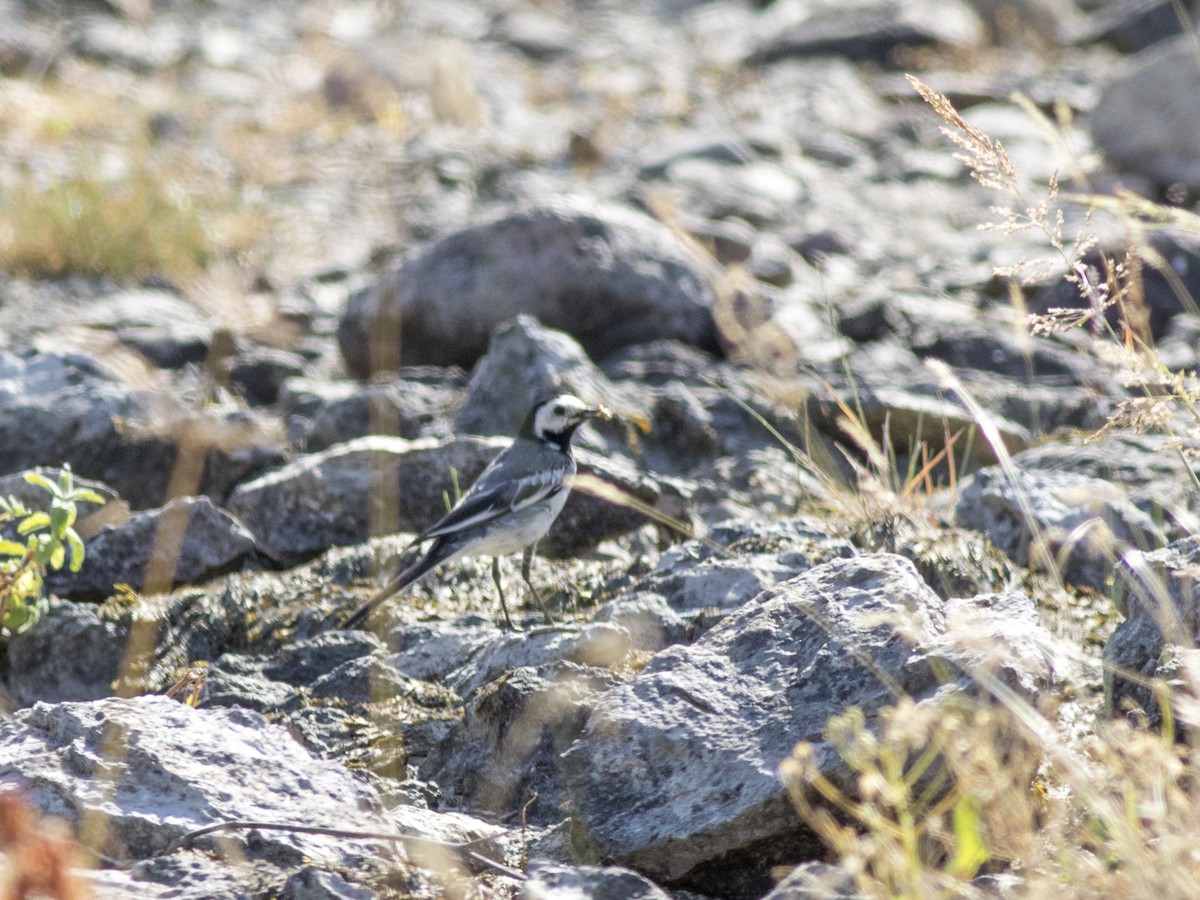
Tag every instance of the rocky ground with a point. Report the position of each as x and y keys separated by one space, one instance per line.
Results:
x=278 y=278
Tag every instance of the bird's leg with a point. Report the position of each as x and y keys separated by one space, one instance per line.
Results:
x=526 y=562
x=508 y=623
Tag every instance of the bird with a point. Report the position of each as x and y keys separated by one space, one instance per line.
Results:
x=510 y=507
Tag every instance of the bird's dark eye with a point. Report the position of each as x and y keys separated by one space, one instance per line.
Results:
x=558 y=410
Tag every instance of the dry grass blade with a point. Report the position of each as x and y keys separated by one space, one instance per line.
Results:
x=985 y=157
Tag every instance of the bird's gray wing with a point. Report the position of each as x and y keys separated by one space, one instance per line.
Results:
x=488 y=501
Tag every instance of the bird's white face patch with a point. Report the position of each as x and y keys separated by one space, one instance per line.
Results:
x=559 y=414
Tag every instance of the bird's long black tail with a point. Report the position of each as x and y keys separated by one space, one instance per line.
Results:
x=396 y=584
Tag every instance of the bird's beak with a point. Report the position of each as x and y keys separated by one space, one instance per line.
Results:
x=601 y=412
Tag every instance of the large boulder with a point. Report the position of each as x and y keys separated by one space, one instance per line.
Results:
x=153 y=769
x=607 y=274
x=1144 y=122
x=676 y=773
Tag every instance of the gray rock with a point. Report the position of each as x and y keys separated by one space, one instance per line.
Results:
x=772 y=263
x=535 y=34
x=185 y=542
x=91 y=518
x=343 y=495
x=258 y=372
x=695 y=585
x=608 y=275
x=54 y=404
x=597 y=646
x=986 y=348
x=186 y=875
x=26 y=48
x=556 y=882
x=507 y=749
x=676 y=771
x=649 y=620
x=435 y=650
x=1130 y=25
x=762 y=193
x=1166 y=260
x=313 y=884
x=304 y=662
x=816 y=246
x=816 y=881
x=729 y=240
x=153 y=769
x=717 y=147
x=1146 y=467
x=1142 y=122
x=73 y=653
x=417 y=404
x=527 y=362
x=158 y=324
x=702 y=411
x=738 y=559
x=1157 y=640
x=341 y=697
x=56 y=409
x=899 y=401
x=1080 y=526
x=873 y=31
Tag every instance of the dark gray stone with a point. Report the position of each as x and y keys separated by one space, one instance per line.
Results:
x=1131 y=25
x=259 y=372
x=417 y=404
x=1146 y=468
x=27 y=48
x=73 y=653
x=1168 y=260
x=525 y=363
x=902 y=404
x=1142 y=123
x=718 y=147
x=606 y=274
x=535 y=34
x=313 y=884
x=185 y=542
x=343 y=495
x=729 y=240
x=57 y=409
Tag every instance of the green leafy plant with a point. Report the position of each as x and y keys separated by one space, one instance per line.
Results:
x=49 y=536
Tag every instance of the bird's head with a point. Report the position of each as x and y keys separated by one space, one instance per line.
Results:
x=555 y=419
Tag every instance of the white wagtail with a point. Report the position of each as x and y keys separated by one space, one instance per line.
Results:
x=511 y=505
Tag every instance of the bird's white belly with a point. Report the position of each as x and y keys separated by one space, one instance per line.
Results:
x=518 y=530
